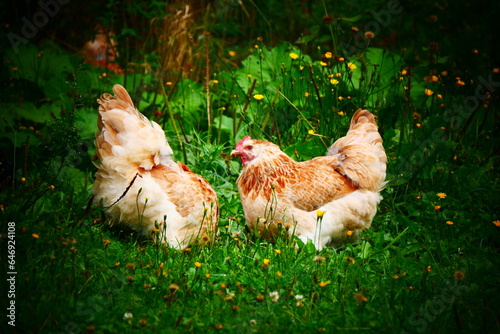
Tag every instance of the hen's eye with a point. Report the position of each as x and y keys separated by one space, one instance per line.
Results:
x=249 y=147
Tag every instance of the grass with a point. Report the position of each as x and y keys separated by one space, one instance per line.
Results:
x=428 y=264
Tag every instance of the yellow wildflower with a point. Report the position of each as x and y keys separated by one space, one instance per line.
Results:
x=449 y=222
x=428 y=92
x=496 y=223
x=169 y=83
x=293 y=55
x=36 y=236
x=352 y=66
x=328 y=55
x=320 y=213
x=441 y=195
x=258 y=97
x=360 y=298
x=334 y=81
x=306 y=94
x=232 y=53
x=215 y=81
x=322 y=63
x=311 y=132
x=198 y=264
x=323 y=284
x=277 y=251
x=341 y=113
x=349 y=233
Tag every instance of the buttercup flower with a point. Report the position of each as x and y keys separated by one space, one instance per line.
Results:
x=293 y=55
x=258 y=97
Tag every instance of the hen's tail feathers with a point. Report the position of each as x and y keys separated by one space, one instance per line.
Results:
x=125 y=138
x=360 y=153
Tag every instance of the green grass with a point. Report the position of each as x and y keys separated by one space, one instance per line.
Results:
x=428 y=264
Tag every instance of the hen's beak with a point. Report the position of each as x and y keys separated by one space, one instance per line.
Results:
x=235 y=153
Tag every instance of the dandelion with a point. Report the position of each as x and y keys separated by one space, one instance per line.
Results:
x=449 y=222
x=404 y=72
x=369 y=34
x=341 y=113
x=341 y=98
x=36 y=236
x=328 y=55
x=428 y=92
x=360 y=297
x=428 y=269
x=441 y=195
x=279 y=274
x=460 y=82
x=322 y=63
x=293 y=56
x=437 y=207
x=459 y=275
x=232 y=53
x=311 y=132
x=215 y=81
x=301 y=68
x=23 y=179
x=277 y=251
x=320 y=213
x=341 y=59
x=496 y=223
x=323 y=284
x=306 y=94
x=351 y=66
x=169 y=83
x=334 y=81
x=439 y=96
x=258 y=97
x=198 y=264
x=248 y=76
x=266 y=263
x=349 y=233
x=207 y=276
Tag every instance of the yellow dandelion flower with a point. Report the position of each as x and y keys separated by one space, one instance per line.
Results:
x=301 y=68
x=449 y=222
x=323 y=284
x=232 y=53
x=496 y=223
x=341 y=113
x=428 y=92
x=341 y=59
x=338 y=75
x=293 y=55
x=169 y=83
x=441 y=195
x=437 y=207
x=328 y=55
x=266 y=262
x=322 y=63
x=404 y=72
x=258 y=97
x=277 y=251
x=352 y=66
x=248 y=76
x=198 y=264
x=439 y=96
x=334 y=81
x=23 y=179
x=369 y=34
x=311 y=132
x=460 y=82
x=207 y=276
x=215 y=81
x=36 y=236
x=320 y=213
x=428 y=269
x=340 y=98
x=349 y=233
x=306 y=94
x=279 y=274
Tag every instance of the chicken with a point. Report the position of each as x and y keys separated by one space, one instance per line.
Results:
x=141 y=186
x=326 y=199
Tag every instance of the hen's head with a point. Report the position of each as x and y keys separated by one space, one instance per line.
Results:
x=249 y=149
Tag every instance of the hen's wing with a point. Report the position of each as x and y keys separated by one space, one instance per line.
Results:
x=314 y=183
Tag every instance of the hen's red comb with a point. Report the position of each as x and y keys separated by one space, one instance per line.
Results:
x=240 y=143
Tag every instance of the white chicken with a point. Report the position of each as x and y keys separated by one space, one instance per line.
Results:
x=326 y=199
x=141 y=186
